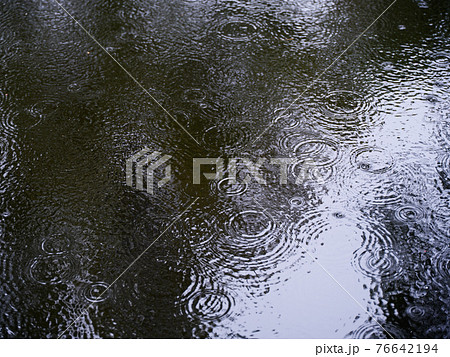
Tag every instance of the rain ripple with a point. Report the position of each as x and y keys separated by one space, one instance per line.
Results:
x=3 y=152
x=322 y=152
x=55 y=245
x=229 y=188
x=96 y=292
x=374 y=331
x=442 y=264
x=251 y=245
x=380 y=263
x=226 y=138
x=443 y=132
x=444 y=168
x=198 y=228
x=206 y=301
x=190 y=72
x=238 y=30
x=34 y=114
x=343 y=103
x=310 y=147
x=52 y=269
x=209 y=305
x=409 y=213
x=373 y=160
x=418 y=313
x=441 y=60
x=377 y=178
x=346 y=109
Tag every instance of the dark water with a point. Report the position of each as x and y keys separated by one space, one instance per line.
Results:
x=363 y=252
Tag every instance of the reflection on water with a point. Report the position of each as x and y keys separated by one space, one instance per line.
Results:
x=370 y=214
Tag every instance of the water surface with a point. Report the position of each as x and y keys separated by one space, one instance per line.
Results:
x=362 y=252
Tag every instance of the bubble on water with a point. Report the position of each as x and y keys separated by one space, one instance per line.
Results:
x=381 y=263
x=339 y=215
x=431 y=98
x=387 y=66
x=238 y=30
x=96 y=292
x=52 y=269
